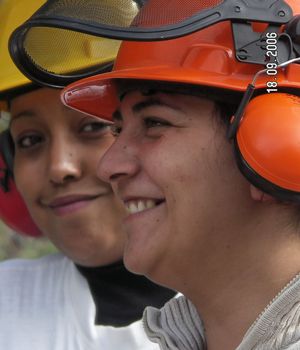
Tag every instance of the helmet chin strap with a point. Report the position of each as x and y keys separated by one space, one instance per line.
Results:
x=236 y=118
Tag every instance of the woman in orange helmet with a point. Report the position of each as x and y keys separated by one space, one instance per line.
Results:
x=82 y=297
x=216 y=219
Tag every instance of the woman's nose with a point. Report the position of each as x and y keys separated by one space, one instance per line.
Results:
x=64 y=162
x=119 y=161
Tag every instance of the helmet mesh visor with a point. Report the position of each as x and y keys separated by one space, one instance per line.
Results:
x=120 y=13
x=62 y=49
x=157 y=14
x=50 y=49
x=65 y=52
x=111 y=12
x=75 y=38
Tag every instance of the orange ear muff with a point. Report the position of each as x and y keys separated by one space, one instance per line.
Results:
x=267 y=145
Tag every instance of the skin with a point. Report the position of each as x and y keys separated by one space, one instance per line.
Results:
x=56 y=155
x=211 y=235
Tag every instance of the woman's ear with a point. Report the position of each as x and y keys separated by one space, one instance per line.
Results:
x=260 y=196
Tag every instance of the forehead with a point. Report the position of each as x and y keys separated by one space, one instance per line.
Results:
x=136 y=101
x=34 y=99
x=42 y=104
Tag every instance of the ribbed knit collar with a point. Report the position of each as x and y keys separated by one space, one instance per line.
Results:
x=177 y=326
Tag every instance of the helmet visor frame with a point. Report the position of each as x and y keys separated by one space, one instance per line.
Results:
x=274 y=12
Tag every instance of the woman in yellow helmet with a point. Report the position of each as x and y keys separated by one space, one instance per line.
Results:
x=83 y=297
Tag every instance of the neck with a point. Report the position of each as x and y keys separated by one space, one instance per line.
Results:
x=237 y=281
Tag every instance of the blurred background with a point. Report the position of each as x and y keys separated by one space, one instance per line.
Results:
x=13 y=245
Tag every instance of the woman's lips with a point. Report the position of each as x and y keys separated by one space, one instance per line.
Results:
x=70 y=204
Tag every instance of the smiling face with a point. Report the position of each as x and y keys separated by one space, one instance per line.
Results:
x=175 y=172
x=56 y=155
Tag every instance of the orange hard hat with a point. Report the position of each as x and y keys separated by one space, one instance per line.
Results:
x=207 y=58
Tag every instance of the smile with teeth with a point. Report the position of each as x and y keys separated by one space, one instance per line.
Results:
x=137 y=206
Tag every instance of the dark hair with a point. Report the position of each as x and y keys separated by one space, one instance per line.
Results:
x=226 y=100
x=12 y=93
x=227 y=110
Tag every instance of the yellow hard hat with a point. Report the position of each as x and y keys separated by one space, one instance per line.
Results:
x=12 y=14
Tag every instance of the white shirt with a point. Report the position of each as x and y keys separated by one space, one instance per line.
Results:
x=46 y=304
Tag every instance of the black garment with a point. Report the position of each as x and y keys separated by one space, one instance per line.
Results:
x=121 y=296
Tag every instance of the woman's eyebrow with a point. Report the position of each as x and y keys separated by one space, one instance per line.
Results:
x=24 y=113
x=153 y=102
x=117 y=115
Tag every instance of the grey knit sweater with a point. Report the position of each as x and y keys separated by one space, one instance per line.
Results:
x=177 y=326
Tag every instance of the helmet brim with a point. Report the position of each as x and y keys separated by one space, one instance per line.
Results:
x=98 y=95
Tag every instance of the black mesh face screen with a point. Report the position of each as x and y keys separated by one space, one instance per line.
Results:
x=66 y=40
x=50 y=50
x=65 y=52
x=118 y=13
x=157 y=13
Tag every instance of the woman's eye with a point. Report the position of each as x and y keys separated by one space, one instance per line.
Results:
x=154 y=122
x=94 y=127
x=28 y=141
